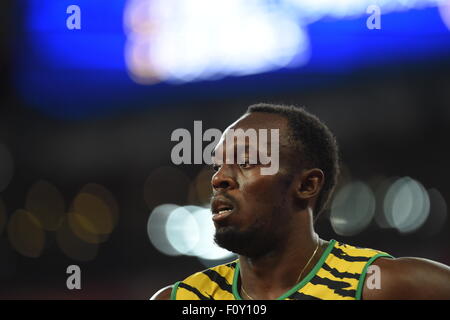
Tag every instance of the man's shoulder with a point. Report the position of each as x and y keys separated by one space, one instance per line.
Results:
x=343 y=249
x=409 y=278
x=225 y=270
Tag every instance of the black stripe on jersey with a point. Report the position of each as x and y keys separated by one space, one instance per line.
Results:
x=336 y=286
x=341 y=254
x=194 y=291
x=339 y=274
x=220 y=280
x=301 y=296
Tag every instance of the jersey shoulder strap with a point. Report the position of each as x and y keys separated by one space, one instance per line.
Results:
x=210 y=284
x=341 y=274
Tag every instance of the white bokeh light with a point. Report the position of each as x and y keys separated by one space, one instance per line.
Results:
x=156 y=229
x=444 y=11
x=186 y=230
x=406 y=205
x=183 y=40
x=182 y=231
x=352 y=209
x=207 y=248
x=310 y=11
x=190 y=40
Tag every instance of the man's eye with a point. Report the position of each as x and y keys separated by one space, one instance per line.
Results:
x=216 y=167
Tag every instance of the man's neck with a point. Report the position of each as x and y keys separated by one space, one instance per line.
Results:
x=271 y=275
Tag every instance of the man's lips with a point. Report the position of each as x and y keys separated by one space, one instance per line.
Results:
x=221 y=208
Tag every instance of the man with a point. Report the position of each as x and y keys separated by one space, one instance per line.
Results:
x=268 y=221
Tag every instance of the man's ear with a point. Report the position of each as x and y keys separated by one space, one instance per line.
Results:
x=309 y=183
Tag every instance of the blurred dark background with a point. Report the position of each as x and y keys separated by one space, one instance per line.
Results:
x=85 y=133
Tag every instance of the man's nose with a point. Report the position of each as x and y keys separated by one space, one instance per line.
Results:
x=223 y=180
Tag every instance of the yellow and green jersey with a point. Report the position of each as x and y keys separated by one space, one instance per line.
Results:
x=338 y=275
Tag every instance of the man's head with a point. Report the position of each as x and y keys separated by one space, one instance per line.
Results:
x=265 y=209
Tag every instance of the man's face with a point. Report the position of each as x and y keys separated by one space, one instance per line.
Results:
x=252 y=211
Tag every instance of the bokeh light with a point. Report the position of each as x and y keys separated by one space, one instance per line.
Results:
x=352 y=208
x=6 y=167
x=26 y=234
x=438 y=213
x=83 y=228
x=168 y=41
x=310 y=11
x=206 y=248
x=74 y=247
x=100 y=192
x=380 y=185
x=182 y=231
x=156 y=228
x=166 y=184
x=406 y=205
x=186 y=40
x=444 y=10
x=187 y=230
x=47 y=204
x=95 y=212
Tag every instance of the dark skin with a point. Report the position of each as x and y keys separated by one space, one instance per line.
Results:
x=290 y=195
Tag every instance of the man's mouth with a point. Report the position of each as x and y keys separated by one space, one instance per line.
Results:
x=221 y=208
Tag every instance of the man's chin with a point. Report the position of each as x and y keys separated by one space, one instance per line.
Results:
x=225 y=237
x=246 y=243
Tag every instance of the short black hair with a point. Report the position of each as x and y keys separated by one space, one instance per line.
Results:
x=314 y=140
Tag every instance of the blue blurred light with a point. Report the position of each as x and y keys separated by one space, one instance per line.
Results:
x=98 y=45
x=73 y=74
